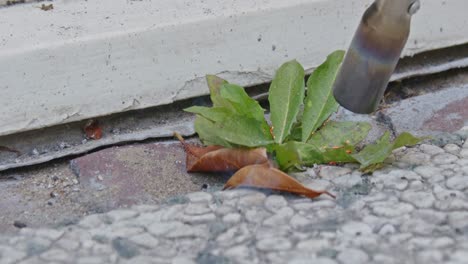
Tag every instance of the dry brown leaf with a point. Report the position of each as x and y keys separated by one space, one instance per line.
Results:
x=93 y=130
x=220 y=159
x=3 y=148
x=265 y=176
x=229 y=159
x=47 y=7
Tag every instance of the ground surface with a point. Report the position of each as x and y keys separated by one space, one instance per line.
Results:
x=413 y=211
x=61 y=193
x=136 y=204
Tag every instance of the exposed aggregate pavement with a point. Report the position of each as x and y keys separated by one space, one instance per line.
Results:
x=414 y=210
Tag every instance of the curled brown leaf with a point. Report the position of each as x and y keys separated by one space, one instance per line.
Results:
x=7 y=149
x=93 y=130
x=46 y=7
x=252 y=166
x=220 y=159
x=265 y=176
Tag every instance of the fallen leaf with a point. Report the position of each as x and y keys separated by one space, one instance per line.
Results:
x=14 y=2
x=93 y=130
x=7 y=149
x=47 y=7
x=220 y=159
x=267 y=177
x=228 y=160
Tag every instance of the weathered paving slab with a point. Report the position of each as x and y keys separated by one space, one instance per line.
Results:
x=437 y=107
x=412 y=211
x=139 y=173
x=429 y=114
x=59 y=194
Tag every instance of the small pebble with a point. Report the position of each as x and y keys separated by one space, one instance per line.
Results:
x=64 y=145
x=452 y=148
x=115 y=131
x=19 y=224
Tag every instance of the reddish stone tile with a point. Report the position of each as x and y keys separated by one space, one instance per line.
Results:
x=451 y=118
x=139 y=173
x=431 y=114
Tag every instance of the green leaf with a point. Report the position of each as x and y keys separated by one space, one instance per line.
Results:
x=243 y=131
x=214 y=84
x=295 y=154
x=338 y=155
x=241 y=102
x=286 y=96
x=375 y=153
x=406 y=139
x=372 y=156
x=219 y=126
x=210 y=113
x=340 y=134
x=208 y=132
x=296 y=132
x=371 y=168
x=236 y=101
x=320 y=103
x=239 y=122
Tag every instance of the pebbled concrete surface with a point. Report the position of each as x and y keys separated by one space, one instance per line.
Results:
x=412 y=211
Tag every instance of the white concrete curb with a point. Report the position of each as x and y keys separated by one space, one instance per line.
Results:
x=90 y=58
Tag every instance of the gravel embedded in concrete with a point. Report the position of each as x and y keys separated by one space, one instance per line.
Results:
x=414 y=211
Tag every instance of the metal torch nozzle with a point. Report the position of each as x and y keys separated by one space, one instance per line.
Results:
x=373 y=54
